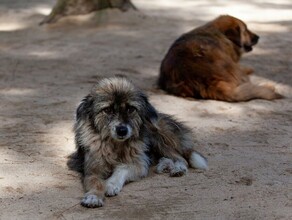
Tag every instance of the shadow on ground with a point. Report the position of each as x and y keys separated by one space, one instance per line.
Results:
x=45 y=72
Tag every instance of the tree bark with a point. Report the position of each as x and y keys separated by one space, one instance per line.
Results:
x=82 y=7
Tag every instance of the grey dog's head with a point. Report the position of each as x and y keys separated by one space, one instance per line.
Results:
x=116 y=109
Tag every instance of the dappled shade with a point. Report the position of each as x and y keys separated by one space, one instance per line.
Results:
x=82 y=7
x=45 y=72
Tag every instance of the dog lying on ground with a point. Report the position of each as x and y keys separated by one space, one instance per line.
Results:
x=204 y=63
x=118 y=133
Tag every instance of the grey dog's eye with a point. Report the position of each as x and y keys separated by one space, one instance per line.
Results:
x=130 y=109
x=107 y=110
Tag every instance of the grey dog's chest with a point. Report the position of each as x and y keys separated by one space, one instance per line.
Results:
x=108 y=155
x=103 y=154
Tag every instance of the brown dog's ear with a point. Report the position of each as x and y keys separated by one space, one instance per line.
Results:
x=234 y=35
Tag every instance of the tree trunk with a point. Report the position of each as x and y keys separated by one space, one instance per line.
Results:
x=81 y=7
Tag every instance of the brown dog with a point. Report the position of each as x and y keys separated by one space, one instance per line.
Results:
x=203 y=63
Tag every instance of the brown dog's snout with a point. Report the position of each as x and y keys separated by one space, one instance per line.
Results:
x=255 y=38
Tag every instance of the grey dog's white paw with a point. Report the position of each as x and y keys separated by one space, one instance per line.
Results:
x=92 y=201
x=112 y=189
x=165 y=165
x=180 y=168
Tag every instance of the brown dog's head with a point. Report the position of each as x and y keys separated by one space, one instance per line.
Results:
x=236 y=31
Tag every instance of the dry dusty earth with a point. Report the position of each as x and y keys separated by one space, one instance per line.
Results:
x=45 y=71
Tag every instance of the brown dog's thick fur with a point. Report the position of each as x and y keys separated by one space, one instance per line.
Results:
x=204 y=63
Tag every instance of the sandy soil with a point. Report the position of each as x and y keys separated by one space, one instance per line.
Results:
x=45 y=71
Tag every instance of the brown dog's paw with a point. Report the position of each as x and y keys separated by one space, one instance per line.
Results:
x=268 y=86
x=278 y=96
x=270 y=91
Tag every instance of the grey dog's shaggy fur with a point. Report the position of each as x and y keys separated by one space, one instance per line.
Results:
x=118 y=133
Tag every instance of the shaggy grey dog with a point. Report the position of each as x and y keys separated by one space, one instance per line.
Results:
x=118 y=134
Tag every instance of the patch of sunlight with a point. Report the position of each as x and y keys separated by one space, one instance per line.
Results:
x=248 y=12
x=61 y=134
x=269 y=28
x=259 y=51
x=219 y=107
x=43 y=10
x=283 y=2
x=16 y=91
x=260 y=11
x=6 y=27
x=45 y=54
x=172 y=4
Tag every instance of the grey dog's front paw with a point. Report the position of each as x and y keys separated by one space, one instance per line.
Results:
x=92 y=201
x=165 y=165
x=112 y=189
x=179 y=169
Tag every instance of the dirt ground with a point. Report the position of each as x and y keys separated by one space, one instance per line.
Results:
x=45 y=71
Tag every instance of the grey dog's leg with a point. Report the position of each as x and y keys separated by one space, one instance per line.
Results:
x=122 y=174
x=94 y=188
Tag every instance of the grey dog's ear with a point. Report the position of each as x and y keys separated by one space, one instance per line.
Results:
x=85 y=107
x=150 y=112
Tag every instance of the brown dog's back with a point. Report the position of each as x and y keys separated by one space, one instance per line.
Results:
x=188 y=67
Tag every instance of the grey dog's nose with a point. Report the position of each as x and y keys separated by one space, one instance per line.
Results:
x=121 y=130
